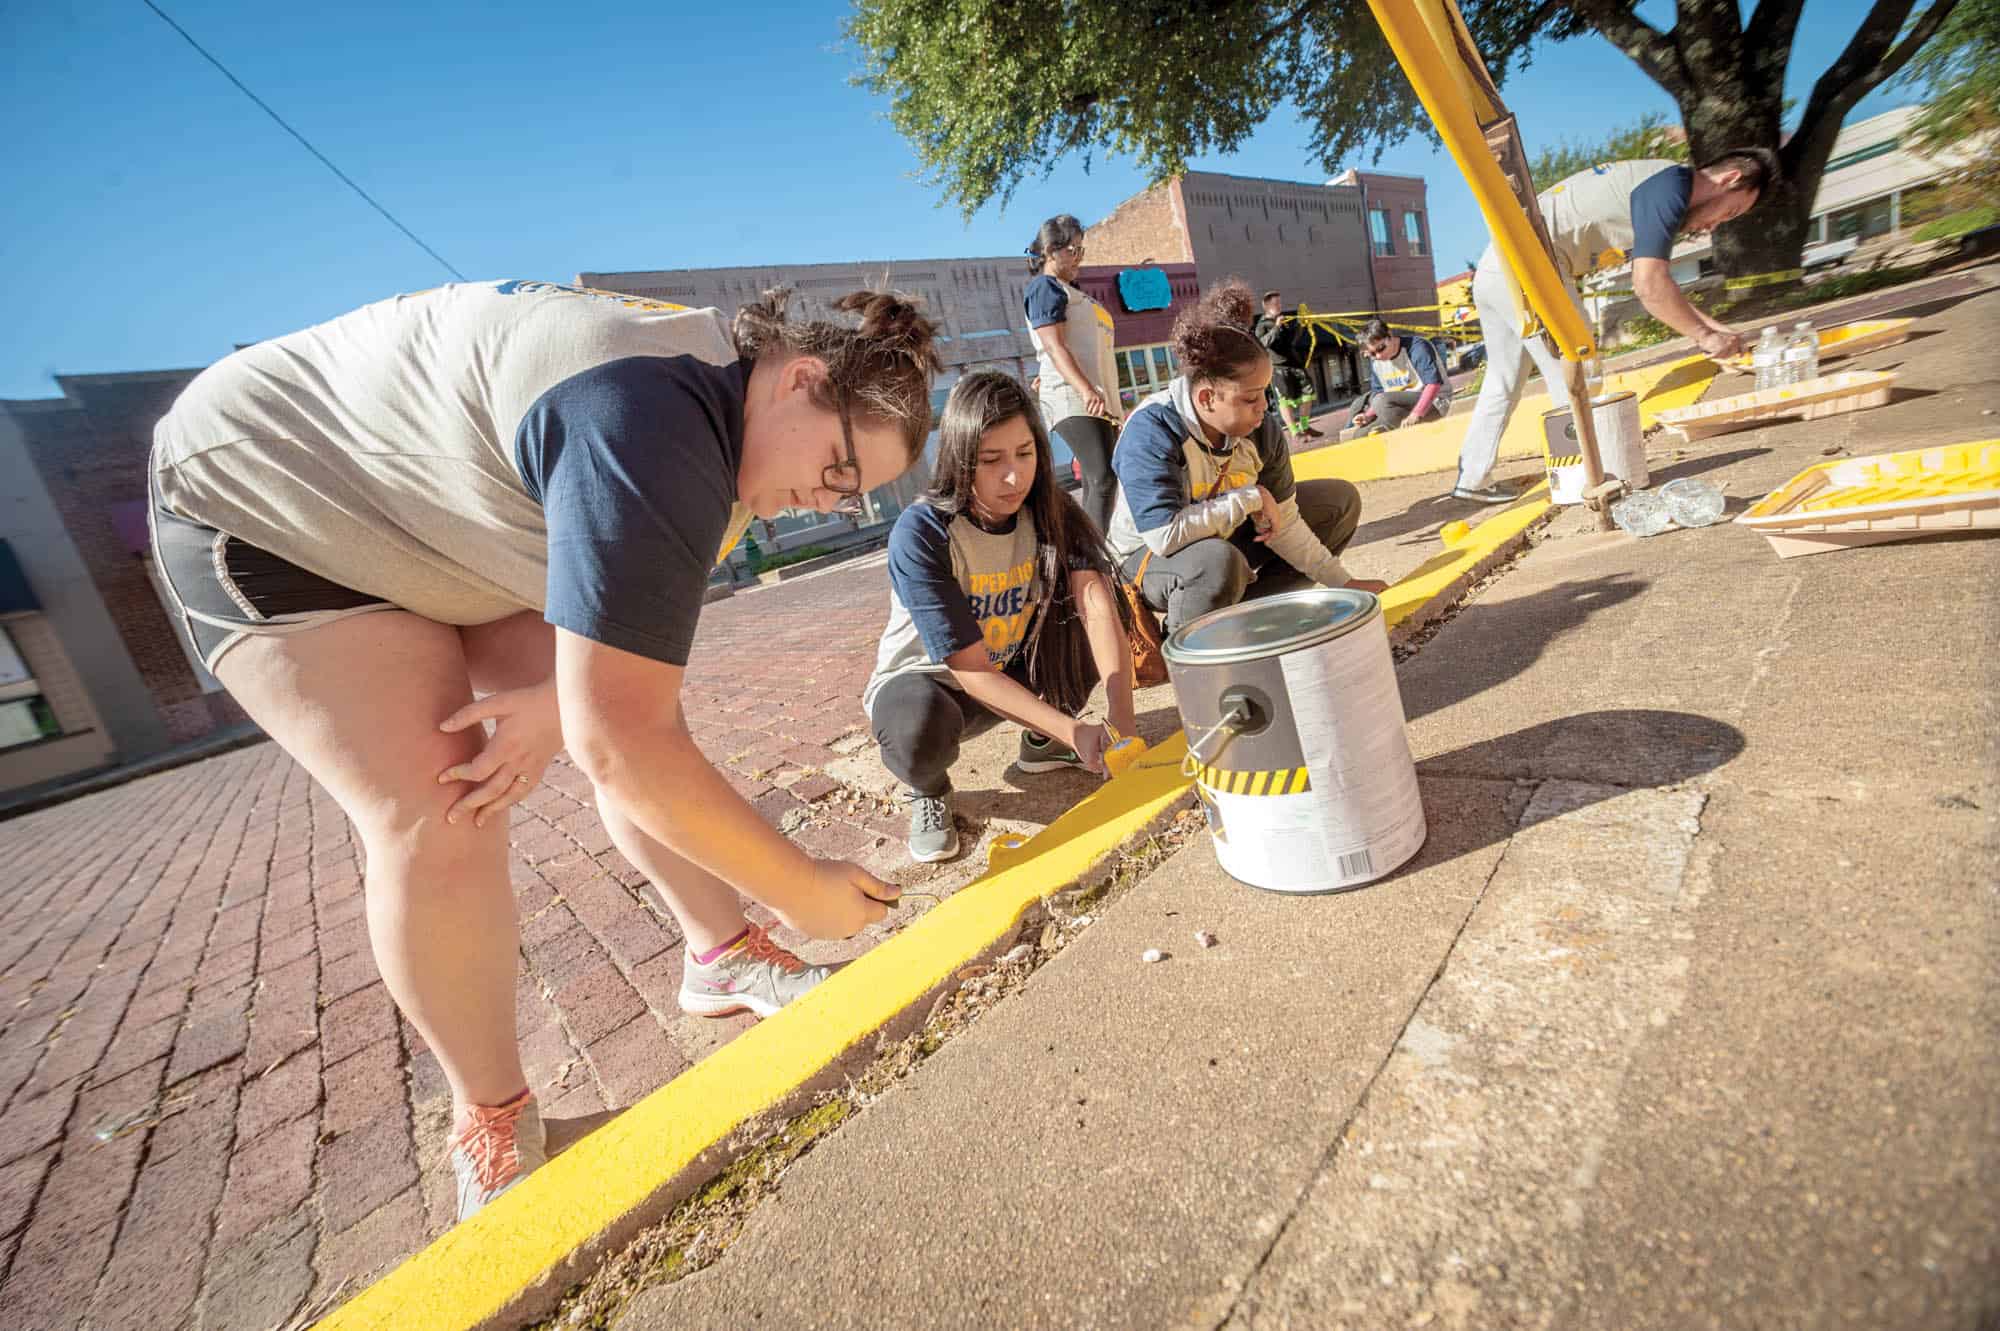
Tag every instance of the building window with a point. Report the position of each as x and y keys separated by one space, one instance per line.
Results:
x=1882 y=149
x=26 y=721
x=25 y=716
x=1380 y=238
x=1413 y=231
x=1143 y=371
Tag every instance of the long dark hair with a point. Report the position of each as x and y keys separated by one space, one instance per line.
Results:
x=1060 y=668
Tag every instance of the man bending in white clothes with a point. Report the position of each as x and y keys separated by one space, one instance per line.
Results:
x=1596 y=219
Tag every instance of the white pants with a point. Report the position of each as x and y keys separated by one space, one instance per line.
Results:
x=1507 y=357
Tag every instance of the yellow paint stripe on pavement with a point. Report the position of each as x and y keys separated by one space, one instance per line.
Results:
x=1434 y=445
x=475 y=1270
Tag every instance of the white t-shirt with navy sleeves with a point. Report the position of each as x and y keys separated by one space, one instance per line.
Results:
x=952 y=584
x=1415 y=364
x=1164 y=463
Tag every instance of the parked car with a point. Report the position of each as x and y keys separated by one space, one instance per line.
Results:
x=1471 y=356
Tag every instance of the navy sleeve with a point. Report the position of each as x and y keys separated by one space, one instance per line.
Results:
x=1424 y=360
x=1659 y=206
x=634 y=464
x=920 y=571
x=1151 y=470
x=1275 y=474
x=1047 y=302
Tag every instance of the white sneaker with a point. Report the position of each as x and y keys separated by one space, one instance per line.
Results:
x=755 y=975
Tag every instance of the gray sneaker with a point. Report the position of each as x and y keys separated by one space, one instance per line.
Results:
x=933 y=828
x=756 y=976
x=1489 y=494
x=494 y=1147
x=1039 y=753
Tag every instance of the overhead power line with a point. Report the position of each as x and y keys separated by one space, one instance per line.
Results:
x=307 y=143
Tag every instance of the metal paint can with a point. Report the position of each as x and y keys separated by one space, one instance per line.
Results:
x=1297 y=742
x=1621 y=447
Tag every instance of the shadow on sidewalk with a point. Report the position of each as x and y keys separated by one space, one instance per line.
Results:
x=1512 y=635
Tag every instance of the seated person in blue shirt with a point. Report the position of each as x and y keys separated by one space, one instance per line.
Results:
x=1411 y=385
x=1206 y=501
x=1000 y=606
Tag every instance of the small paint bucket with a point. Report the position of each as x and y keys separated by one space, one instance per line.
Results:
x=1621 y=447
x=1296 y=740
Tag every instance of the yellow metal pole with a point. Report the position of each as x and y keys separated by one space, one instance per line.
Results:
x=1432 y=44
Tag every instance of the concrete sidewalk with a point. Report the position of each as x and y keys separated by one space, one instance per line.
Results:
x=1684 y=1016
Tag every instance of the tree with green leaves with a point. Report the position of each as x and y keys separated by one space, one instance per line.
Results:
x=1960 y=75
x=1651 y=136
x=990 y=90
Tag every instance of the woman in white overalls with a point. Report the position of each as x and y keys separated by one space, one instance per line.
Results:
x=1079 y=378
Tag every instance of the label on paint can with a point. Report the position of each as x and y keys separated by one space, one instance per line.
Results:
x=1349 y=715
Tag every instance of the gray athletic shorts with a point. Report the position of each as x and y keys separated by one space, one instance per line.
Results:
x=222 y=589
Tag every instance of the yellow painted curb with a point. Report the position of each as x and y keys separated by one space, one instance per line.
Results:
x=1437 y=574
x=475 y=1270
x=1434 y=446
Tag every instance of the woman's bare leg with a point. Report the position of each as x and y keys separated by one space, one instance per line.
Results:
x=357 y=702
x=708 y=910
x=520 y=651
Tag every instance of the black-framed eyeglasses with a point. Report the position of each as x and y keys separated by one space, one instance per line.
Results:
x=843 y=478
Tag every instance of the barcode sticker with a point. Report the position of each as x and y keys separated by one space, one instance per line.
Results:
x=1361 y=861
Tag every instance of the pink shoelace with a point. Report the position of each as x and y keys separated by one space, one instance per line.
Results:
x=487 y=1136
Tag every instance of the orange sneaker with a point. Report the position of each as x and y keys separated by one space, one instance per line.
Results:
x=494 y=1147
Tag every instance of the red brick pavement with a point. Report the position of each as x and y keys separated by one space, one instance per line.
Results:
x=210 y=1112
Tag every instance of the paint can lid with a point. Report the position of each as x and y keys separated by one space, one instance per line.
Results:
x=1272 y=626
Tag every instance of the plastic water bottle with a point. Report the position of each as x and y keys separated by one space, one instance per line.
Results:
x=1767 y=358
x=1643 y=513
x=1692 y=502
x=1801 y=354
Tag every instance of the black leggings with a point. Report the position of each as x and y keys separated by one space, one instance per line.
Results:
x=1091 y=438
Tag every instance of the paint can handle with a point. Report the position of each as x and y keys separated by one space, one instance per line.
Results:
x=1235 y=714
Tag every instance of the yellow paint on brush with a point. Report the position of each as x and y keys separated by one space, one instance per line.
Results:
x=475 y=1270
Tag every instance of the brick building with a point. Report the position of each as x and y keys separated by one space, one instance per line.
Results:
x=1399 y=239
x=87 y=622
x=1140 y=337
x=1310 y=242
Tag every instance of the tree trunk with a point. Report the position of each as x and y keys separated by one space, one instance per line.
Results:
x=1771 y=239
x=1728 y=80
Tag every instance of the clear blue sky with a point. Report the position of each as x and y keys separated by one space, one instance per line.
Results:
x=154 y=217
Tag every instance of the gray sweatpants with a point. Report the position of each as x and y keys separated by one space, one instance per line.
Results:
x=1214 y=572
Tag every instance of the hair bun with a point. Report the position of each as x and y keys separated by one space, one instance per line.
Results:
x=1229 y=302
x=893 y=321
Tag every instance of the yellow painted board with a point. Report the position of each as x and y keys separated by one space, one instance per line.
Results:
x=474 y=1270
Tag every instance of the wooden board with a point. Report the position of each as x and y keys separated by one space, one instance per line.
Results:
x=1828 y=395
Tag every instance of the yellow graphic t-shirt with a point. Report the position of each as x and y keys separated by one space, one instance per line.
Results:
x=952 y=584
